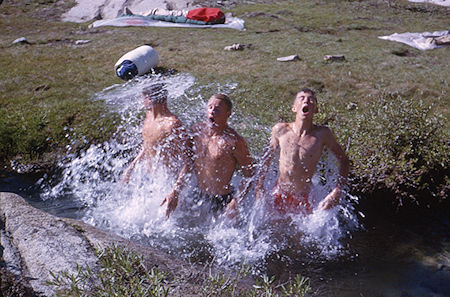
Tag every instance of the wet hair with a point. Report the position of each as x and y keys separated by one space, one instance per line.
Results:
x=156 y=92
x=307 y=90
x=225 y=99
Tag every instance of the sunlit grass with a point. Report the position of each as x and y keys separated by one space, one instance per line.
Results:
x=47 y=86
x=122 y=272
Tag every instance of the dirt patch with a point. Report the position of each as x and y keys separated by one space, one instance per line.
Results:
x=90 y=32
x=403 y=53
x=255 y=14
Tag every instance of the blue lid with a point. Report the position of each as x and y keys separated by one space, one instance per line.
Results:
x=126 y=70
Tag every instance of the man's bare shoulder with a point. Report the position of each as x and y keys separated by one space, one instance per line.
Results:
x=231 y=132
x=321 y=128
x=234 y=136
x=196 y=128
x=323 y=131
x=280 y=128
x=173 y=123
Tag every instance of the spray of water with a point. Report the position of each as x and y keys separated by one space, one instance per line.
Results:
x=91 y=181
x=262 y=239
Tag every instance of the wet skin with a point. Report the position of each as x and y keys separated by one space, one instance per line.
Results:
x=161 y=129
x=301 y=144
x=218 y=150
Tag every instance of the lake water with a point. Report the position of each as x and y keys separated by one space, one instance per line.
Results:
x=352 y=250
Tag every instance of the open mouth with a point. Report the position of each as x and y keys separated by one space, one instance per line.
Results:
x=211 y=120
x=305 y=109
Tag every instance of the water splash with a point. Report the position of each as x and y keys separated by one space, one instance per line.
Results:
x=263 y=240
x=91 y=181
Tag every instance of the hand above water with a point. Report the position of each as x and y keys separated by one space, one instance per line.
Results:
x=172 y=202
x=232 y=210
x=331 y=200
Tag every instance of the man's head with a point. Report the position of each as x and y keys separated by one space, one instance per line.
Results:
x=154 y=94
x=218 y=109
x=305 y=102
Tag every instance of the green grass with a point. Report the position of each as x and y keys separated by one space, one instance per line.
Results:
x=47 y=86
x=121 y=273
x=125 y=273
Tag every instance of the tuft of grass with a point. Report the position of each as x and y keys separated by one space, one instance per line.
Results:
x=121 y=273
x=299 y=287
x=124 y=273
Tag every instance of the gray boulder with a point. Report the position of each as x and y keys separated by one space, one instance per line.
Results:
x=35 y=243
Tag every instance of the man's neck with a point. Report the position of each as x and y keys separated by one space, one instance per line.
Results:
x=158 y=110
x=302 y=126
x=215 y=129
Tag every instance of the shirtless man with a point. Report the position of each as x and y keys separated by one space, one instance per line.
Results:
x=217 y=150
x=301 y=144
x=162 y=134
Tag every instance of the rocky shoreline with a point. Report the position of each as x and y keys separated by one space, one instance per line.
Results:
x=34 y=243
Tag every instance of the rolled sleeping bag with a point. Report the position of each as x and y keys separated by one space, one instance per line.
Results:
x=136 y=62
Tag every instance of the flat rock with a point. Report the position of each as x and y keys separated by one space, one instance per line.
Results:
x=82 y=41
x=441 y=40
x=334 y=57
x=21 y=40
x=35 y=243
x=288 y=58
x=234 y=47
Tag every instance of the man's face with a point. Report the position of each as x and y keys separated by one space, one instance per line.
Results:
x=147 y=100
x=305 y=104
x=217 y=112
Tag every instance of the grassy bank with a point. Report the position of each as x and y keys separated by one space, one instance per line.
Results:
x=124 y=273
x=387 y=102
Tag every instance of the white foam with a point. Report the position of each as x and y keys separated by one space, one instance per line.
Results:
x=133 y=211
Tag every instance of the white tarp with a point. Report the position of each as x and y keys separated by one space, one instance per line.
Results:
x=139 y=21
x=422 y=41
x=86 y=10
x=438 y=2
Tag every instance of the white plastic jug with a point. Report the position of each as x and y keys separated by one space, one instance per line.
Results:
x=141 y=60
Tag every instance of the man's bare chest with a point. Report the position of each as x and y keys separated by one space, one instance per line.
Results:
x=214 y=147
x=295 y=148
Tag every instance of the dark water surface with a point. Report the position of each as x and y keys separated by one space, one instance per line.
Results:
x=361 y=248
x=394 y=254
x=28 y=186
